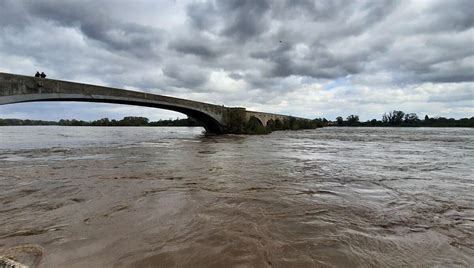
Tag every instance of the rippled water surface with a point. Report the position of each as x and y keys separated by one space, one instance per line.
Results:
x=100 y=197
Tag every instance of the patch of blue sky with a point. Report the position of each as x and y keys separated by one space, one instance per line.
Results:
x=339 y=82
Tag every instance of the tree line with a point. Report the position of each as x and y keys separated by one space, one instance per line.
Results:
x=391 y=119
x=401 y=119
x=126 y=121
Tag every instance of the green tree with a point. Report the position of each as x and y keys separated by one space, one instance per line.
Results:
x=411 y=119
x=353 y=120
x=134 y=121
x=394 y=118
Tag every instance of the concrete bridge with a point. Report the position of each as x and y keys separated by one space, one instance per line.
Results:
x=215 y=118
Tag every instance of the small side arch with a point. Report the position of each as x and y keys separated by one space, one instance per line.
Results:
x=271 y=124
x=255 y=126
x=278 y=124
x=255 y=121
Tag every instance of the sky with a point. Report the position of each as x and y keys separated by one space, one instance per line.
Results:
x=304 y=58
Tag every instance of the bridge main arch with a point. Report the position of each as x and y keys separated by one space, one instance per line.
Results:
x=18 y=89
x=210 y=123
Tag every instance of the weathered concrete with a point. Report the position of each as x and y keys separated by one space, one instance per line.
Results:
x=215 y=118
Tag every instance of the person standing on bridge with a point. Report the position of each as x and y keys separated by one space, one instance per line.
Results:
x=37 y=74
x=43 y=75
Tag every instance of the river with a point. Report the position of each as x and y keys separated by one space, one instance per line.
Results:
x=331 y=197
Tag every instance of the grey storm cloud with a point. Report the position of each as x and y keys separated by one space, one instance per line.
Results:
x=272 y=31
x=237 y=19
x=257 y=51
x=350 y=17
x=97 y=24
x=448 y=16
x=186 y=76
x=197 y=46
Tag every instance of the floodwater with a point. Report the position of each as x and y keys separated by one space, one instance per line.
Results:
x=147 y=197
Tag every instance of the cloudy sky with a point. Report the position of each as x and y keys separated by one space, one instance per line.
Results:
x=299 y=57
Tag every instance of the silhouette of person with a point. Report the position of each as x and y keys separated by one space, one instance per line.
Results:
x=43 y=75
x=37 y=74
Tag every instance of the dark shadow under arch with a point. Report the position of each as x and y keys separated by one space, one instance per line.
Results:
x=255 y=121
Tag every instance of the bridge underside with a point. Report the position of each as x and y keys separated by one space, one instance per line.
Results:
x=210 y=124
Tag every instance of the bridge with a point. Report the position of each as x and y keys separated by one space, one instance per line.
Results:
x=216 y=119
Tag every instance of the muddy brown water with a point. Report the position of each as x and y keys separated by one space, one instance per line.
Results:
x=147 y=197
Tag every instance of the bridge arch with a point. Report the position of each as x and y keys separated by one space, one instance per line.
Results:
x=210 y=123
x=254 y=120
x=17 y=89
x=271 y=124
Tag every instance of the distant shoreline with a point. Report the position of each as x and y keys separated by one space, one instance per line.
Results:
x=429 y=122
x=129 y=121
x=392 y=119
x=52 y=125
x=332 y=126
x=401 y=119
x=362 y=126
